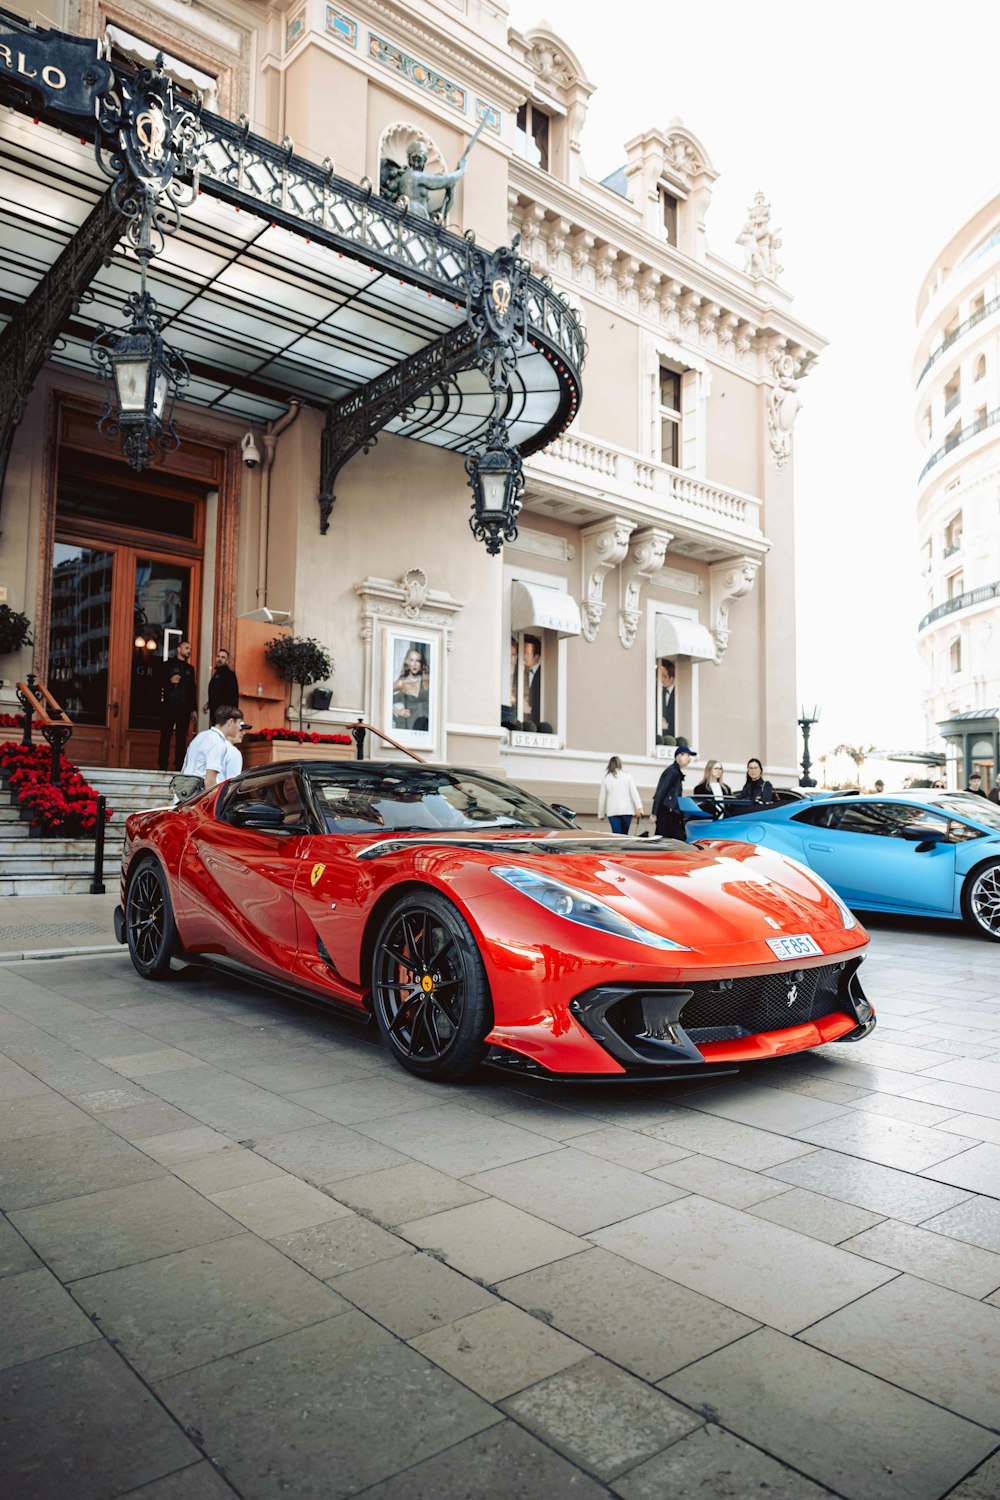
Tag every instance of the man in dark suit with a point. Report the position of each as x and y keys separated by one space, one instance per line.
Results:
x=180 y=705
x=222 y=685
x=669 y=818
x=666 y=673
x=533 y=679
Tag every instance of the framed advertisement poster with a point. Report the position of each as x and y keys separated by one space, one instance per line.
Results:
x=411 y=687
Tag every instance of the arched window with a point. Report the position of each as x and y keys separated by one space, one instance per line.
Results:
x=980 y=367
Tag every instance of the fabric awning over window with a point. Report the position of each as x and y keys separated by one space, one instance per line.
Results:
x=535 y=607
x=676 y=636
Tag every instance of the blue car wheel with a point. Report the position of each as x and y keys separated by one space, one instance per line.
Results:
x=981 y=900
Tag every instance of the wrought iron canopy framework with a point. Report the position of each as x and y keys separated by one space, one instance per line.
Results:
x=283 y=280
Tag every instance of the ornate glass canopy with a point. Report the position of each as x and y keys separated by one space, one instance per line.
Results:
x=283 y=280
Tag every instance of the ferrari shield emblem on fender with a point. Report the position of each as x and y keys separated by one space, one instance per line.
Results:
x=315 y=873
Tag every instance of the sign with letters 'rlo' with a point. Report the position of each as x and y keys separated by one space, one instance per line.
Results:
x=66 y=71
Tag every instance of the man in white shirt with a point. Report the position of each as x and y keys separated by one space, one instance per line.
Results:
x=213 y=754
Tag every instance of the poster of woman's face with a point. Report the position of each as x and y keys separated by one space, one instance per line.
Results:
x=411 y=685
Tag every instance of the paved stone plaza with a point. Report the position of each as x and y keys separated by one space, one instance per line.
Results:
x=243 y=1253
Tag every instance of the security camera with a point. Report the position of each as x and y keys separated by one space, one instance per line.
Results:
x=250 y=451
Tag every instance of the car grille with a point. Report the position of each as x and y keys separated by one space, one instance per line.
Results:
x=721 y=1010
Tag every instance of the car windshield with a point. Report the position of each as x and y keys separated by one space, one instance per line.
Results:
x=432 y=800
x=970 y=805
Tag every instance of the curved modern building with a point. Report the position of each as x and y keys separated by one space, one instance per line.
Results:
x=957 y=374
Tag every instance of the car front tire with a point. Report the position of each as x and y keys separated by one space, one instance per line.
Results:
x=150 y=931
x=429 y=989
x=981 y=900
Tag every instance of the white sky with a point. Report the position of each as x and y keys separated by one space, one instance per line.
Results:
x=873 y=129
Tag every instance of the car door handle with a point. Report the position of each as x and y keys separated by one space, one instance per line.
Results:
x=823 y=848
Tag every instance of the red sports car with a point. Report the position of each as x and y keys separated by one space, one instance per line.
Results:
x=478 y=925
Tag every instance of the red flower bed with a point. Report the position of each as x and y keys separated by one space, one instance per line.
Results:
x=70 y=808
x=297 y=736
x=11 y=721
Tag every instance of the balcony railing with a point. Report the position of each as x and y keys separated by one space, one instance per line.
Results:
x=952 y=548
x=956 y=333
x=963 y=436
x=979 y=595
x=952 y=401
x=642 y=480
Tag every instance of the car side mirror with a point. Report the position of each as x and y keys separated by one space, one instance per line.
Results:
x=257 y=815
x=923 y=833
x=563 y=811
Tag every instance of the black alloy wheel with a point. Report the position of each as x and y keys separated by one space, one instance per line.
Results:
x=429 y=989
x=981 y=900
x=149 y=921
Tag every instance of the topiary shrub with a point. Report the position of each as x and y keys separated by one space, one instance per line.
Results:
x=299 y=659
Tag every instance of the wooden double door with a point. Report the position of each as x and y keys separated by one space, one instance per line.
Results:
x=119 y=609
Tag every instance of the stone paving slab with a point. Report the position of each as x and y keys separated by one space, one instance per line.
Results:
x=336 y=1280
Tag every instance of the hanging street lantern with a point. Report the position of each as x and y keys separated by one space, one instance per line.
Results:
x=497 y=484
x=142 y=378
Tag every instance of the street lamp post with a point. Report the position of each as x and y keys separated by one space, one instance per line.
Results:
x=807 y=718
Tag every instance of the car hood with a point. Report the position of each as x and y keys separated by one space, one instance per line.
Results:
x=726 y=893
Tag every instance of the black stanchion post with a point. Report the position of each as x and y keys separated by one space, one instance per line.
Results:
x=25 y=703
x=358 y=731
x=97 y=884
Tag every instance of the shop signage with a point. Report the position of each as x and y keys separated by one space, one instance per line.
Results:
x=65 y=71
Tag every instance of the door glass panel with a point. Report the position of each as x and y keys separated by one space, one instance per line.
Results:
x=159 y=621
x=81 y=631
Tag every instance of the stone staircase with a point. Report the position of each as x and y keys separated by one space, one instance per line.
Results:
x=65 y=867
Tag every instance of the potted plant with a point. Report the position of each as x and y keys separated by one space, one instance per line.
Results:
x=299 y=659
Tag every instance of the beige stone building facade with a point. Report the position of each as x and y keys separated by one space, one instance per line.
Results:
x=649 y=593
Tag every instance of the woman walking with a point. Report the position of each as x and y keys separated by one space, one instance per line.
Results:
x=711 y=790
x=755 y=788
x=619 y=798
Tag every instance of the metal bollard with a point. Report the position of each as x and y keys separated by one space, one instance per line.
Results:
x=97 y=884
x=358 y=734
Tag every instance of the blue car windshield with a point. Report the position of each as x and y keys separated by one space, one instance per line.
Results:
x=970 y=805
x=401 y=800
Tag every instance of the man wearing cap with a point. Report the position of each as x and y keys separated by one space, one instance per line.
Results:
x=666 y=811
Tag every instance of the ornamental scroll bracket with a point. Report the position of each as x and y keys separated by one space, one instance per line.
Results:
x=150 y=144
x=646 y=555
x=490 y=339
x=728 y=580
x=605 y=545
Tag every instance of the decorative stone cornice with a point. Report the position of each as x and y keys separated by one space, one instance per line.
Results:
x=583 y=243
x=728 y=580
x=605 y=545
x=646 y=555
x=407 y=599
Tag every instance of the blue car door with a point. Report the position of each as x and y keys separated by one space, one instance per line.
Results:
x=865 y=858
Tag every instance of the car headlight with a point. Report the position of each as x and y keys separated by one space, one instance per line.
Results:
x=566 y=902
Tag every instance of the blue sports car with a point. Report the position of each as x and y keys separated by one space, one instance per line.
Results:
x=924 y=853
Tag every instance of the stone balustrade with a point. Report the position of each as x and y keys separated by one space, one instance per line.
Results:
x=666 y=492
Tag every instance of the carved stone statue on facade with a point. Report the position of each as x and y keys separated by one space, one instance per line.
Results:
x=782 y=407
x=760 y=242
x=414 y=183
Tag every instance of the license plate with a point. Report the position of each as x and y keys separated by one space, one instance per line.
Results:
x=794 y=947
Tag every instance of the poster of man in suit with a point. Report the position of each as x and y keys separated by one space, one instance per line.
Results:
x=665 y=694
x=531 y=682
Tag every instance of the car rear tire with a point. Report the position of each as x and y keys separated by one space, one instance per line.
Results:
x=981 y=900
x=150 y=930
x=429 y=989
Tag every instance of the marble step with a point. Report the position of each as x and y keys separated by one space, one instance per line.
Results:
x=55 y=864
x=77 y=884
